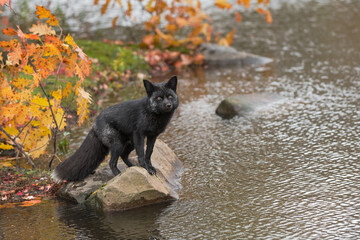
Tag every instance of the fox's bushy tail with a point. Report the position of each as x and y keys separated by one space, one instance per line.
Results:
x=83 y=162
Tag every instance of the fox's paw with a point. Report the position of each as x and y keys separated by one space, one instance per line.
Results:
x=151 y=170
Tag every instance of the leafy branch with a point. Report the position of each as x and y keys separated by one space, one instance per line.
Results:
x=29 y=62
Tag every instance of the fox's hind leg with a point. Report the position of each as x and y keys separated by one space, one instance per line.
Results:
x=116 y=149
x=125 y=154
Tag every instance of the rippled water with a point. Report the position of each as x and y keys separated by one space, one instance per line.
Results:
x=289 y=171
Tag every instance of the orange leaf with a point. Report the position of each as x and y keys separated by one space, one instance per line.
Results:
x=223 y=4
x=128 y=11
x=238 y=16
x=2 y=2
x=119 y=2
x=171 y=27
x=42 y=12
x=199 y=59
x=260 y=10
x=114 y=22
x=266 y=13
x=105 y=7
x=52 y=21
x=181 y=22
x=14 y=56
x=32 y=36
x=29 y=203
x=268 y=16
x=9 y=31
x=148 y=40
x=230 y=37
x=246 y=3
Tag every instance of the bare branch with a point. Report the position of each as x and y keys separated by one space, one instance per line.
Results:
x=20 y=148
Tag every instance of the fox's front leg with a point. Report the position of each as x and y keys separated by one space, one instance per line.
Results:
x=139 y=147
x=149 y=149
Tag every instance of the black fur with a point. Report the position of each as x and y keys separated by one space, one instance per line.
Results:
x=122 y=128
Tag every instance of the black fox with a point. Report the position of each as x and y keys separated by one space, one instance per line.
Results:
x=122 y=128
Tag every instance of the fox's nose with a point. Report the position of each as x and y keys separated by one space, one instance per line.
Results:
x=168 y=105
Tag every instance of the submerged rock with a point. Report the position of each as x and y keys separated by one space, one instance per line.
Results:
x=134 y=187
x=224 y=56
x=244 y=104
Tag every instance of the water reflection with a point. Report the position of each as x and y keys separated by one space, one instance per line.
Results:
x=63 y=220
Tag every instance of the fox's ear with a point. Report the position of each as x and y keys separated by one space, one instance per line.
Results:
x=149 y=87
x=172 y=83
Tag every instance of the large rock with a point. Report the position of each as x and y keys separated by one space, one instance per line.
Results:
x=228 y=56
x=134 y=186
x=242 y=105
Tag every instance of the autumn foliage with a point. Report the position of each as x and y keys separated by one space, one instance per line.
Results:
x=182 y=22
x=33 y=96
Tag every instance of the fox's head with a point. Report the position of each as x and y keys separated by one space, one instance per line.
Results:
x=162 y=96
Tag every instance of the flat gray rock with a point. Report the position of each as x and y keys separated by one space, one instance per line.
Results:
x=216 y=55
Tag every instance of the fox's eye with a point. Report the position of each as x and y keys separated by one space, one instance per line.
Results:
x=159 y=98
x=170 y=97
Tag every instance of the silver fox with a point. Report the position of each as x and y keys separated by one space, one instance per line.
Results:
x=120 y=129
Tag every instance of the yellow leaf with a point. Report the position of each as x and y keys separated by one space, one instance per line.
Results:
x=42 y=102
x=69 y=40
x=67 y=89
x=21 y=82
x=28 y=69
x=57 y=94
x=6 y=146
x=42 y=29
x=40 y=146
x=11 y=130
x=51 y=50
x=82 y=109
x=60 y=119
x=36 y=79
x=223 y=4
